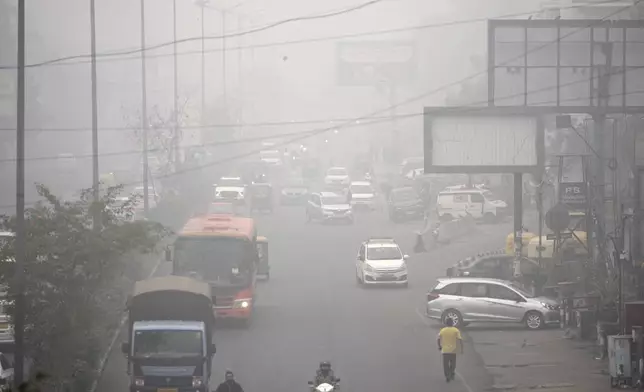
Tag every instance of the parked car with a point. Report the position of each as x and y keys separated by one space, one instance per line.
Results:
x=495 y=265
x=469 y=300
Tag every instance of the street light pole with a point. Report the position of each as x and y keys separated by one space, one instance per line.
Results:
x=144 y=114
x=19 y=277
x=203 y=66
x=95 y=175
x=223 y=58
x=175 y=136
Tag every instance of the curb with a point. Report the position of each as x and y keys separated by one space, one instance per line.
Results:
x=515 y=387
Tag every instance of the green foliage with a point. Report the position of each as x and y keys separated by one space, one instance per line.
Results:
x=70 y=266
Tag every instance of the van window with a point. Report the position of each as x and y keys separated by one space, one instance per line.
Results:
x=477 y=198
x=460 y=198
x=500 y=292
x=474 y=290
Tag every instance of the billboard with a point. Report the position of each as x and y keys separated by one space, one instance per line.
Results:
x=583 y=63
x=368 y=63
x=471 y=142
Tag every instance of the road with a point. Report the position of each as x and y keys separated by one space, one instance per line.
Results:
x=312 y=310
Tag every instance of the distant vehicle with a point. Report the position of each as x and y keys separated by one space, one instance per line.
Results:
x=468 y=300
x=230 y=189
x=137 y=212
x=271 y=157
x=478 y=203
x=496 y=265
x=363 y=195
x=153 y=196
x=221 y=209
x=411 y=164
x=294 y=192
x=405 y=204
x=380 y=261
x=328 y=207
x=337 y=176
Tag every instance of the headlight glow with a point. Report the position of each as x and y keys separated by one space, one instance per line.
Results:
x=197 y=381
x=139 y=382
x=241 y=304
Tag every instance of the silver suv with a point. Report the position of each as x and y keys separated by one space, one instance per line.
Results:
x=468 y=300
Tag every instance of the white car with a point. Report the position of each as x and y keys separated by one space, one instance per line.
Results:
x=478 y=203
x=363 y=195
x=337 y=176
x=380 y=261
x=271 y=157
x=231 y=189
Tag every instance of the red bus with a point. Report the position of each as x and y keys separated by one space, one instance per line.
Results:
x=221 y=250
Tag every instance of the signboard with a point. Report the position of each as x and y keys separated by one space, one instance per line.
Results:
x=573 y=194
x=563 y=65
x=370 y=63
x=463 y=140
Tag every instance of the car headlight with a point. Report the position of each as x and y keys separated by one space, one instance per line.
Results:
x=369 y=268
x=139 y=382
x=197 y=382
x=549 y=306
x=241 y=303
x=217 y=194
x=240 y=195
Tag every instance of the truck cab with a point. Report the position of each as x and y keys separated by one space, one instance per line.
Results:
x=169 y=346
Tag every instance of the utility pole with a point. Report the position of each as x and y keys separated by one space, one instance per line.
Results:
x=203 y=65
x=223 y=58
x=175 y=136
x=19 y=278
x=95 y=175
x=144 y=114
x=239 y=77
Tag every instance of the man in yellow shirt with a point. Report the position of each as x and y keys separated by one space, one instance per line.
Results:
x=449 y=338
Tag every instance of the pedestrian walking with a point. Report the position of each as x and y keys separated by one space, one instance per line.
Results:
x=449 y=339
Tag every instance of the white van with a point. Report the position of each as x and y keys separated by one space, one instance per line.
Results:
x=479 y=203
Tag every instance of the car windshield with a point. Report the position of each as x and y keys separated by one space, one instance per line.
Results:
x=337 y=172
x=404 y=195
x=384 y=253
x=223 y=260
x=521 y=290
x=236 y=182
x=361 y=189
x=333 y=200
x=168 y=343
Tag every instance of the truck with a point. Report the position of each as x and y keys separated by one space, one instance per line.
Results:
x=169 y=345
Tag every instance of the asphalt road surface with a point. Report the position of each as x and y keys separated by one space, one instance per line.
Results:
x=311 y=310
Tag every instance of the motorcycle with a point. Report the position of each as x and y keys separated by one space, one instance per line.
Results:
x=325 y=387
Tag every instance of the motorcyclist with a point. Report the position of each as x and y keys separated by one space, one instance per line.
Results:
x=324 y=374
x=230 y=385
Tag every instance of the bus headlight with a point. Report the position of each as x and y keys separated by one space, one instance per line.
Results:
x=197 y=382
x=241 y=304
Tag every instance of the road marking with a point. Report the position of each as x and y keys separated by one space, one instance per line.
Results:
x=428 y=323
x=115 y=336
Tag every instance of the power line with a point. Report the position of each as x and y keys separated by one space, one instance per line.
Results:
x=191 y=39
x=413 y=99
x=105 y=57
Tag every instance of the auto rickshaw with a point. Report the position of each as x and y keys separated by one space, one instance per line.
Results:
x=261 y=197
x=263 y=268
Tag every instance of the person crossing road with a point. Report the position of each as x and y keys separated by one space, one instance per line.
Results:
x=449 y=339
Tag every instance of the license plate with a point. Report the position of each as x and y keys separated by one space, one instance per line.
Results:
x=167 y=390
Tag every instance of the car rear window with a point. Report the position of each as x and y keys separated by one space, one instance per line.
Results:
x=447 y=289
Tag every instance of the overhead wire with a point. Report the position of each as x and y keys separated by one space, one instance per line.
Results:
x=409 y=100
x=105 y=57
x=191 y=39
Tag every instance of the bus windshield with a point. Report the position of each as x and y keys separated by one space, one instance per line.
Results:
x=225 y=260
